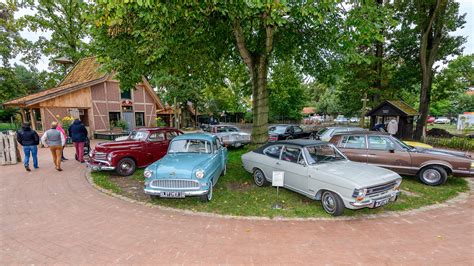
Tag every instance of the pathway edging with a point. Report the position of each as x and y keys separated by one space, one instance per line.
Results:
x=460 y=198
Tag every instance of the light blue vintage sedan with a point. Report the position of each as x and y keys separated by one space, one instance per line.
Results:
x=191 y=167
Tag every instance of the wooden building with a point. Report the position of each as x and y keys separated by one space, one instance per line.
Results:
x=94 y=97
x=402 y=112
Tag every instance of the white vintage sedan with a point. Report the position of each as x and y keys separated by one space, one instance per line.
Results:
x=320 y=171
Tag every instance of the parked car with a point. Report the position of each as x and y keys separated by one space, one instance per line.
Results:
x=192 y=166
x=231 y=135
x=354 y=120
x=340 y=119
x=326 y=133
x=430 y=119
x=142 y=149
x=442 y=120
x=280 y=132
x=431 y=166
x=320 y=171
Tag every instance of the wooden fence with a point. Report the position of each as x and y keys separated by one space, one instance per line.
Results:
x=9 y=153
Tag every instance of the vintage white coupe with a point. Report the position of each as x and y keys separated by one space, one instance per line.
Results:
x=320 y=171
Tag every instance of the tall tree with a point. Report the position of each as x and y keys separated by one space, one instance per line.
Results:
x=151 y=36
x=69 y=28
x=434 y=20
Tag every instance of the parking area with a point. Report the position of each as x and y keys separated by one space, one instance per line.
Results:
x=58 y=217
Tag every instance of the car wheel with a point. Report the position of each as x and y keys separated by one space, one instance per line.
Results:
x=259 y=178
x=332 y=203
x=433 y=175
x=208 y=196
x=126 y=167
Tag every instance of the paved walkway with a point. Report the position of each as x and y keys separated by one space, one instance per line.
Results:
x=57 y=217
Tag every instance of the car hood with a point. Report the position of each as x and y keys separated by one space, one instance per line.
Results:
x=360 y=175
x=442 y=152
x=179 y=165
x=117 y=145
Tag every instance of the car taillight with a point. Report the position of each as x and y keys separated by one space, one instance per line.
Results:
x=273 y=138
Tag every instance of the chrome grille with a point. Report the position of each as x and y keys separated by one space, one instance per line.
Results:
x=174 y=183
x=381 y=188
x=102 y=156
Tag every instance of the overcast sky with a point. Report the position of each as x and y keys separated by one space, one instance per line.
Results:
x=467 y=6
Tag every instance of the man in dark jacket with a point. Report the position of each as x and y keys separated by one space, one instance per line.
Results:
x=29 y=139
x=78 y=134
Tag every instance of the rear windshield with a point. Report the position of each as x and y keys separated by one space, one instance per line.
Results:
x=277 y=129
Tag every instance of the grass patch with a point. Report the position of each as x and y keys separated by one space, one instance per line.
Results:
x=103 y=180
x=236 y=194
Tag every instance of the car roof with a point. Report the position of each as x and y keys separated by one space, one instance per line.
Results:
x=200 y=136
x=342 y=127
x=293 y=142
x=156 y=128
x=359 y=132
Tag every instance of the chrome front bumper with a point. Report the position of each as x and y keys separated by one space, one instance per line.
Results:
x=157 y=192
x=235 y=143
x=100 y=166
x=370 y=203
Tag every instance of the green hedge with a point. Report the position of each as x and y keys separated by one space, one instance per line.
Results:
x=463 y=144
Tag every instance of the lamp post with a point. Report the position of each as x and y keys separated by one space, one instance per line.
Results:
x=65 y=61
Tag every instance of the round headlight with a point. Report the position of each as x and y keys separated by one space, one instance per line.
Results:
x=200 y=173
x=147 y=173
x=109 y=157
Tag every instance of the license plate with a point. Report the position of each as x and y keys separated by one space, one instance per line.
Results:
x=172 y=194
x=382 y=202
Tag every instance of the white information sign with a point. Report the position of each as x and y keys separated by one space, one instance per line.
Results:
x=278 y=178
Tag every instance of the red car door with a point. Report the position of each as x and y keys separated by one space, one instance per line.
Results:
x=156 y=146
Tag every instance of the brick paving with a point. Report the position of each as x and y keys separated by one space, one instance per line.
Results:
x=55 y=217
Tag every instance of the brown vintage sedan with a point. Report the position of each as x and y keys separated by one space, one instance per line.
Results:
x=431 y=166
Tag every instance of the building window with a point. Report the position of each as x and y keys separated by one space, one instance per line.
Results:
x=114 y=117
x=139 y=119
x=126 y=94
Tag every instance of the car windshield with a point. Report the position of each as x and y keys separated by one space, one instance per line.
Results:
x=190 y=146
x=403 y=144
x=277 y=129
x=323 y=153
x=321 y=131
x=139 y=135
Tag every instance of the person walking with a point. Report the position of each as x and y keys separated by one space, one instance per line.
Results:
x=53 y=139
x=60 y=128
x=78 y=134
x=29 y=139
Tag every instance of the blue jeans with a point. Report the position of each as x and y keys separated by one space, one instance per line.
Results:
x=34 y=152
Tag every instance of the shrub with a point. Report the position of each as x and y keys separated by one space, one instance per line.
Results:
x=463 y=144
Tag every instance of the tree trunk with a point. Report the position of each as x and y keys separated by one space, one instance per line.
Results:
x=257 y=65
x=425 y=98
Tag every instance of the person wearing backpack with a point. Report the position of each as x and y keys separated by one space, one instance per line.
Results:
x=29 y=139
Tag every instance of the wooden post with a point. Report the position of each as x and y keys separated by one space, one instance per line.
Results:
x=23 y=115
x=33 y=121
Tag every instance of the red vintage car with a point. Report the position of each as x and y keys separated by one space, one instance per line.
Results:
x=143 y=147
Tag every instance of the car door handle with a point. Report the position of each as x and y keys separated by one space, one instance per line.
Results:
x=372 y=154
x=277 y=163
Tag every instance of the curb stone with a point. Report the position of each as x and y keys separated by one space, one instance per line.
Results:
x=460 y=198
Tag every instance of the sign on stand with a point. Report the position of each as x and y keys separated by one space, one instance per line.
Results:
x=278 y=179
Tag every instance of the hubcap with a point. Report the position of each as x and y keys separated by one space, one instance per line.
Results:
x=431 y=176
x=258 y=178
x=328 y=203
